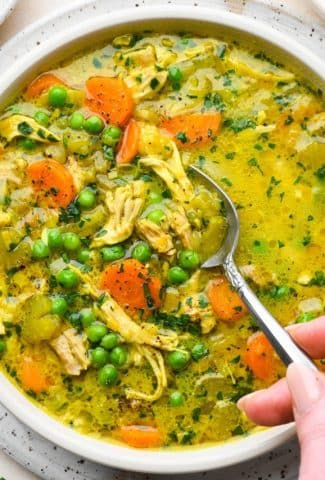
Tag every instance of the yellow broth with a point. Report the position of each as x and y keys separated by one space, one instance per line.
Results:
x=268 y=154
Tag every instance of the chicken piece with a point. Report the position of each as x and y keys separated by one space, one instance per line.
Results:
x=80 y=176
x=181 y=226
x=260 y=277
x=72 y=350
x=172 y=172
x=23 y=126
x=124 y=205
x=151 y=82
x=156 y=236
x=198 y=308
x=316 y=124
x=156 y=361
x=8 y=170
x=137 y=57
x=117 y=320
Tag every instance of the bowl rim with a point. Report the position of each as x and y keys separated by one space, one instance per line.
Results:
x=110 y=454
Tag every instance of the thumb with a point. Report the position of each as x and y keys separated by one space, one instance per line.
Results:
x=307 y=389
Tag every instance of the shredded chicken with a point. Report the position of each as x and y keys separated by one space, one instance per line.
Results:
x=156 y=236
x=124 y=205
x=117 y=320
x=181 y=226
x=199 y=310
x=71 y=348
x=22 y=125
x=156 y=361
x=172 y=172
x=79 y=176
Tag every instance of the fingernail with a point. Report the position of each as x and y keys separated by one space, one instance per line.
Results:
x=304 y=386
x=242 y=401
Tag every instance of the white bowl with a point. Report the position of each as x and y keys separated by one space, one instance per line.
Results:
x=166 y=18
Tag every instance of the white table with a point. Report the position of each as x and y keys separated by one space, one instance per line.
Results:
x=26 y=12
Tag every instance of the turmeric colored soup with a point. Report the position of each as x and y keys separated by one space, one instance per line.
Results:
x=107 y=321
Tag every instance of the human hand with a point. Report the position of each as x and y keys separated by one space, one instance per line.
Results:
x=300 y=397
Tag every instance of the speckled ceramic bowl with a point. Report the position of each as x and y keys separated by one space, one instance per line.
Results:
x=198 y=20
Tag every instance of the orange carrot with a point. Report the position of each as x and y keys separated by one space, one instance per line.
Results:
x=41 y=84
x=140 y=436
x=32 y=376
x=130 y=143
x=192 y=129
x=225 y=302
x=110 y=98
x=131 y=286
x=260 y=356
x=53 y=182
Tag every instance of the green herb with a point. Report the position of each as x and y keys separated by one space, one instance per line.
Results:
x=203 y=301
x=281 y=100
x=70 y=214
x=238 y=430
x=148 y=296
x=310 y=218
x=272 y=145
x=280 y=244
x=318 y=279
x=221 y=51
x=226 y=181
x=298 y=180
x=273 y=182
x=24 y=128
x=219 y=396
x=288 y=120
x=320 y=173
x=235 y=360
x=254 y=163
x=175 y=322
x=306 y=240
x=181 y=136
x=214 y=100
x=154 y=83
x=101 y=299
x=230 y=155
x=97 y=63
x=196 y=413
x=239 y=124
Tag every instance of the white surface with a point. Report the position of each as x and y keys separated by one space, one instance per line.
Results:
x=6 y=7
x=319 y=6
x=4 y=33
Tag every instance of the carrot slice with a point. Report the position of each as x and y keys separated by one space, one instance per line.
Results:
x=110 y=98
x=225 y=302
x=32 y=376
x=53 y=182
x=130 y=143
x=260 y=356
x=192 y=129
x=140 y=436
x=131 y=286
x=41 y=84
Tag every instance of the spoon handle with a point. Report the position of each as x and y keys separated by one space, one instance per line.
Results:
x=281 y=341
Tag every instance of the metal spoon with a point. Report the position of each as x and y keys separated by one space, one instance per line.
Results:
x=283 y=344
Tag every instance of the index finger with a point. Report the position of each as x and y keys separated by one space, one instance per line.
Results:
x=310 y=336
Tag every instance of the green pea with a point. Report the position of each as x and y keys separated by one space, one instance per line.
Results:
x=59 y=306
x=177 y=360
x=42 y=118
x=2 y=346
x=107 y=376
x=40 y=249
x=110 y=341
x=154 y=197
x=110 y=254
x=96 y=332
x=71 y=241
x=119 y=356
x=189 y=259
x=156 y=216
x=175 y=75
x=67 y=278
x=57 y=96
x=177 y=275
x=111 y=135
x=27 y=144
x=55 y=238
x=83 y=256
x=199 y=351
x=76 y=121
x=86 y=198
x=94 y=125
x=141 y=252
x=99 y=357
x=176 y=399
x=87 y=317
